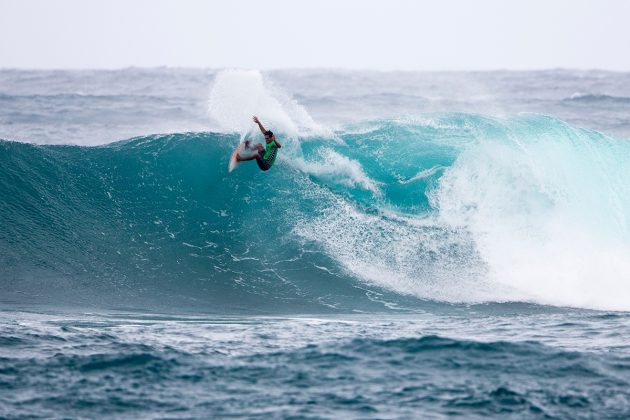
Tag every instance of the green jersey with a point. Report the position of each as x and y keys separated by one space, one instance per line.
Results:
x=271 y=151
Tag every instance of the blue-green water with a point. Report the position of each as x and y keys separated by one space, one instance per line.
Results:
x=428 y=265
x=356 y=366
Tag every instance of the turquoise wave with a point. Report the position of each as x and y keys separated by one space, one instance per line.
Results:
x=382 y=215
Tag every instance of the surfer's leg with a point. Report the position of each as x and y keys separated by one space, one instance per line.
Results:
x=243 y=159
x=249 y=145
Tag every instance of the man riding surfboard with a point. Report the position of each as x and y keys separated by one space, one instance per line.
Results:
x=266 y=156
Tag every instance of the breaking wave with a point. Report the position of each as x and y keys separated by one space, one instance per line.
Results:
x=469 y=209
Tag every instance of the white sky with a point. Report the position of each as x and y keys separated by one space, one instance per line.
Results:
x=369 y=34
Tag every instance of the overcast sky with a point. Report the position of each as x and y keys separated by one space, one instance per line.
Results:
x=367 y=34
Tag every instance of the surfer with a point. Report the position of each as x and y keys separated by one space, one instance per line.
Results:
x=266 y=155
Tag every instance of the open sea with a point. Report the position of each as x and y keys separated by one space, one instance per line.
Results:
x=427 y=245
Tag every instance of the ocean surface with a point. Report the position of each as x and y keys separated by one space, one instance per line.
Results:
x=427 y=245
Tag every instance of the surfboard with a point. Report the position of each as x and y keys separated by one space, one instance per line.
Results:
x=242 y=148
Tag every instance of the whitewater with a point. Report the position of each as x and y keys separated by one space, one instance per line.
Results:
x=426 y=245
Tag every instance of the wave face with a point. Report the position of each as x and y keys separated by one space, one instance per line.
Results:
x=390 y=213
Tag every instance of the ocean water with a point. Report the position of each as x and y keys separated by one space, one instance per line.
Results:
x=428 y=245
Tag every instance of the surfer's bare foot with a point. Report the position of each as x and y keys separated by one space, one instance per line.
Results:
x=238 y=157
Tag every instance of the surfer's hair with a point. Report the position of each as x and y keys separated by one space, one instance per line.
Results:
x=268 y=133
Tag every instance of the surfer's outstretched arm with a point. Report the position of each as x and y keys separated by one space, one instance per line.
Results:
x=257 y=121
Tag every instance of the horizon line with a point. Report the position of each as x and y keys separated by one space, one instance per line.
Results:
x=310 y=68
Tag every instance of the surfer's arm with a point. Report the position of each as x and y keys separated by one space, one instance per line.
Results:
x=278 y=144
x=257 y=121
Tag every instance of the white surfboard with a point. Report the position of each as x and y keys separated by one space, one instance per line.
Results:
x=242 y=148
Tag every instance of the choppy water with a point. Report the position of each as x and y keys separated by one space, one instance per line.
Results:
x=566 y=364
x=427 y=245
